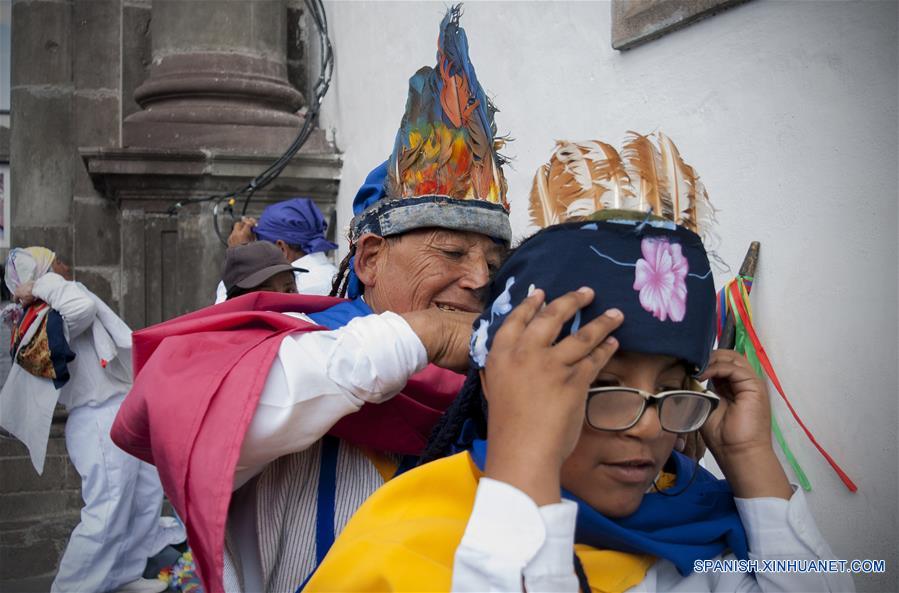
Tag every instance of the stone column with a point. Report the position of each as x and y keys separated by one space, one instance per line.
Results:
x=42 y=130
x=218 y=79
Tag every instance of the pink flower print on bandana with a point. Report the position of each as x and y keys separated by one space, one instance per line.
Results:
x=661 y=279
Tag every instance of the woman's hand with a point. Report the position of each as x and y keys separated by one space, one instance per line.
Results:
x=536 y=390
x=739 y=431
x=242 y=232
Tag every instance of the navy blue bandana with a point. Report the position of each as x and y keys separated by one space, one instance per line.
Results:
x=656 y=273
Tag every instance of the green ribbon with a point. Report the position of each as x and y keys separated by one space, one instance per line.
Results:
x=743 y=345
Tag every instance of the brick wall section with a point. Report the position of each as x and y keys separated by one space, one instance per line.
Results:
x=37 y=513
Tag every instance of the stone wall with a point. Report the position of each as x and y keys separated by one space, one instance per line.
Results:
x=37 y=513
x=75 y=69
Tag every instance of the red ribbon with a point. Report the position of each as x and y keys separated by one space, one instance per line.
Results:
x=769 y=370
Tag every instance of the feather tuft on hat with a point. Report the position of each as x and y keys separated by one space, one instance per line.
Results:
x=445 y=169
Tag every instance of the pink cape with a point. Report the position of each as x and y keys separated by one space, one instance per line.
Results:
x=197 y=381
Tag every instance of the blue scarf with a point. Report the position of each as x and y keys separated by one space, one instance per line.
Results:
x=339 y=315
x=333 y=318
x=698 y=524
x=297 y=222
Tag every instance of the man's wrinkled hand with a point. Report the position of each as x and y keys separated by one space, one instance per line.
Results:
x=445 y=335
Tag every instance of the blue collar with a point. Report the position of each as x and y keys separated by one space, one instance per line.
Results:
x=341 y=314
x=701 y=523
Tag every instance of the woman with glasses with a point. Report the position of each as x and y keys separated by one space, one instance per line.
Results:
x=557 y=467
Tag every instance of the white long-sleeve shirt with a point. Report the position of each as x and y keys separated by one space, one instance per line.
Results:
x=90 y=382
x=316 y=379
x=511 y=544
x=320 y=377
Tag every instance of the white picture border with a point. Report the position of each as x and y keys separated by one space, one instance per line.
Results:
x=5 y=201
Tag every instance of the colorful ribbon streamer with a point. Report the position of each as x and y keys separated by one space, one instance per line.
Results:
x=734 y=299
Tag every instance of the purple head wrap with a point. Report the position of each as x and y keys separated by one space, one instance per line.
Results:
x=297 y=222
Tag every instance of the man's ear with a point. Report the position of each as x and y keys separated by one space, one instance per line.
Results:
x=285 y=249
x=370 y=250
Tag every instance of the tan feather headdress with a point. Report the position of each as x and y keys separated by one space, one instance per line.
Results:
x=647 y=176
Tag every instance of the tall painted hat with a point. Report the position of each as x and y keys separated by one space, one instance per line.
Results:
x=627 y=225
x=445 y=170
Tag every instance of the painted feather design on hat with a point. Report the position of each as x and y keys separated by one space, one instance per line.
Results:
x=581 y=178
x=648 y=175
x=447 y=144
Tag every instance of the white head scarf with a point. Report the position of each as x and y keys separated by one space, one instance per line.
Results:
x=23 y=265
x=27 y=265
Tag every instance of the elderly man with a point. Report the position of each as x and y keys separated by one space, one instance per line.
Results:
x=287 y=423
x=297 y=228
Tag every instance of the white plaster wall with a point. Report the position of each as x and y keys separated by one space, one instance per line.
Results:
x=789 y=112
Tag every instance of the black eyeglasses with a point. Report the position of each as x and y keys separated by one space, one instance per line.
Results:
x=620 y=408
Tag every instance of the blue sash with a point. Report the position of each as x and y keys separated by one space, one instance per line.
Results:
x=333 y=318
x=700 y=523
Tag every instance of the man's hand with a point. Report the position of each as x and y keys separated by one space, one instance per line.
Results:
x=23 y=294
x=445 y=335
x=242 y=232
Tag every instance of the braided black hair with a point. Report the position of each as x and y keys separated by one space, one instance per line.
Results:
x=342 y=279
x=582 y=582
x=470 y=404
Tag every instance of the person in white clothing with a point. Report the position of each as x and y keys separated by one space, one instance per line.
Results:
x=71 y=347
x=298 y=228
x=557 y=467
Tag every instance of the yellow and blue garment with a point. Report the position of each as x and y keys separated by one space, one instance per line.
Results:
x=699 y=523
x=404 y=537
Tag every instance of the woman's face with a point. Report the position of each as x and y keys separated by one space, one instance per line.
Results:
x=612 y=470
x=280 y=282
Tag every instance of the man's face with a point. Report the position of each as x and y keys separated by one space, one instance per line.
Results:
x=427 y=268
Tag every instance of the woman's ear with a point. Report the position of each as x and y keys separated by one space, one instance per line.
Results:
x=370 y=250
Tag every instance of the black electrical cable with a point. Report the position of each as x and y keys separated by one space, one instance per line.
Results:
x=319 y=90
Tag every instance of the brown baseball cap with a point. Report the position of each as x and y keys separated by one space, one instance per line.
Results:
x=248 y=266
